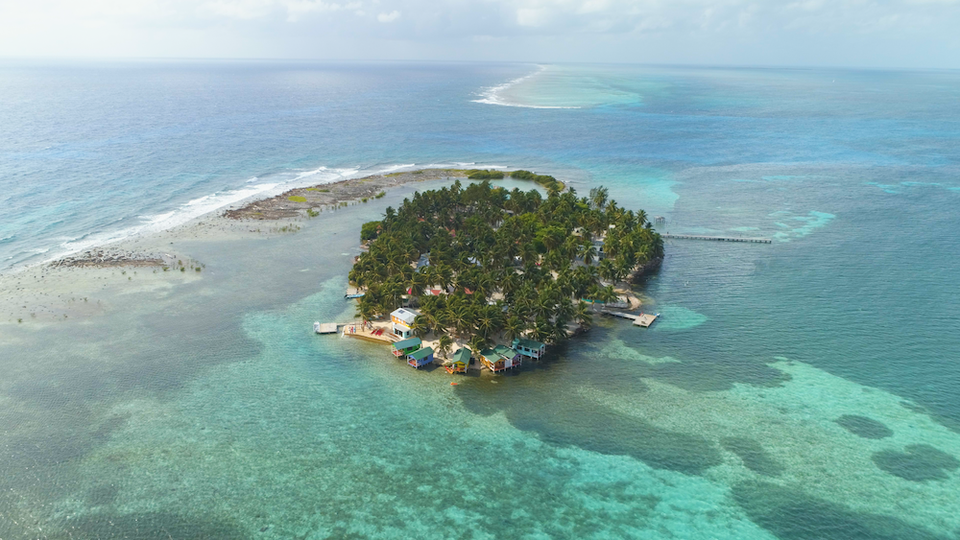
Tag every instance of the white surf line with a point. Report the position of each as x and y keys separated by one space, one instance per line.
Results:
x=207 y=204
x=491 y=95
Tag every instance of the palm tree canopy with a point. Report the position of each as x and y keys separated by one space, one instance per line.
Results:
x=520 y=262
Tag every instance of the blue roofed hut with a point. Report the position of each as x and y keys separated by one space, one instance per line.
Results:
x=420 y=357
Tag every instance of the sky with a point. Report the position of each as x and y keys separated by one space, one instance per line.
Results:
x=848 y=33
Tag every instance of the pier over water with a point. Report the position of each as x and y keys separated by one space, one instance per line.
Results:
x=717 y=238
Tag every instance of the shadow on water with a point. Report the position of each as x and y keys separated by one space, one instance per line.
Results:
x=919 y=463
x=868 y=428
x=794 y=515
x=544 y=398
x=753 y=455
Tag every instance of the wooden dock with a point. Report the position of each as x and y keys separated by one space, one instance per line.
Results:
x=643 y=319
x=751 y=240
x=327 y=328
x=622 y=315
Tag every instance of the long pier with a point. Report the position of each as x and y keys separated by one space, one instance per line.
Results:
x=718 y=238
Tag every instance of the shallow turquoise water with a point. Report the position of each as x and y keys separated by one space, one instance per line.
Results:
x=801 y=389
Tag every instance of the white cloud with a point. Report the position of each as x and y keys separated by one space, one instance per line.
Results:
x=531 y=17
x=671 y=30
x=388 y=17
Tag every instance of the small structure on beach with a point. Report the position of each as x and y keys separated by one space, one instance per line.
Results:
x=406 y=346
x=500 y=358
x=423 y=262
x=420 y=357
x=511 y=358
x=460 y=361
x=529 y=348
x=402 y=320
x=492 y=361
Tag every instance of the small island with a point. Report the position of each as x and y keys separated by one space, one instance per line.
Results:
x=495 y=273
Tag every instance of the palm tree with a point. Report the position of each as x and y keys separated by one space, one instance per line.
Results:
x=446 y=342
x=445 y=275
x=485 y=324
x=418 y=282
x=582 y=315
x=478 y=343
x=420 y=326
x=598 y=197
x=462 y=318
x=365 y=311
x=515 y=327
x=589 y=254
x=544 y=305
x=607 y=294
x=558 y=332
x=542 y=330
x=441 y=321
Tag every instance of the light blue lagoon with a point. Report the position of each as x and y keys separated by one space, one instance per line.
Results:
x=806 y=388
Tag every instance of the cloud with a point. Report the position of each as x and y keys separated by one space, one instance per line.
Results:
x=388 y=17
x=531 y=17
x=738 y=31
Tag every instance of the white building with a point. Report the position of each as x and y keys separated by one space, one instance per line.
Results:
x=402 y=320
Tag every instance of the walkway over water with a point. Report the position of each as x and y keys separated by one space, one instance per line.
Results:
x=643 y=319
x=718 y=238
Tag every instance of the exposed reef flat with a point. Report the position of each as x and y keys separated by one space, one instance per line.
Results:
x=296 y=202
x=106 y=258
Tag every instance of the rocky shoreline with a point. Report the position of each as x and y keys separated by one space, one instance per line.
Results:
x=100 y=258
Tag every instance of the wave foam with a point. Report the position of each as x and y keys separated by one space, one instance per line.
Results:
x=492 y=95
x=206 y=204
x=393 y=168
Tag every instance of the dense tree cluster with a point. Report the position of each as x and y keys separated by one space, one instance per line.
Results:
x=509 y=263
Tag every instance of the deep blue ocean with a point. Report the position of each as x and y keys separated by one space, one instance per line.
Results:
x=807 y=388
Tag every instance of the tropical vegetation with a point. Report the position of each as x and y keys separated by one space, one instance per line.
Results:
x=505 y=263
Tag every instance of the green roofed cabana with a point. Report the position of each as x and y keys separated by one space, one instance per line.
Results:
x=511 y=358
x=529 y=348
x=406 y=346
x=420 y=357
x=491 y=360
x=460 y=361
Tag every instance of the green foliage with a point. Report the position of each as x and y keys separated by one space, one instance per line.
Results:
x=511 y=263
x=477 y=174
x=297 y=198
x=548 y=182
x=369 y=230
x=381 y=195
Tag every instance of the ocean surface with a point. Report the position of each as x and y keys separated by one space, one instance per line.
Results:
x=807 y=388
